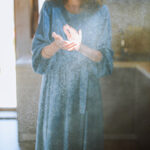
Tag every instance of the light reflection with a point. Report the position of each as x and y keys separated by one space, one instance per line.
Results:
x=7 y=55
x=40 y=4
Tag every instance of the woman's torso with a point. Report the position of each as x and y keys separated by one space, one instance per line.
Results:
x=91 y=25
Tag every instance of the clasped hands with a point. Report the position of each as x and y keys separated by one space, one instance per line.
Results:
x=74 y=39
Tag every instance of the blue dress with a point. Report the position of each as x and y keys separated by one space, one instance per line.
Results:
x=70 y=111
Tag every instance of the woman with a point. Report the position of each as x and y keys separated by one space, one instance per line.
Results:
x=72 y=50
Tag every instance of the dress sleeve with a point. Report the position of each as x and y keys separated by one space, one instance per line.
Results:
x=41 y=39
x=105 y=66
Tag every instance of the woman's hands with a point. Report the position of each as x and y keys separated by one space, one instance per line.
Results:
x=73 y=36
x=74 y=39
x=74 y=43
x=60 y=43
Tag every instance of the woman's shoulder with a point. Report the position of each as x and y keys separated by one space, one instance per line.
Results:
x=104 y=10
x=48 y=5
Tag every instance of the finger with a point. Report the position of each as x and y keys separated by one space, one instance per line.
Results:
x=67 y=32
x=70 y=45
x=74 y=31
x=53 y=34
x=72 y=48
x=71 y=30
x=67 y=45
x=74 y=34
x=67 y=42
x=66 y=28
x=80 y=34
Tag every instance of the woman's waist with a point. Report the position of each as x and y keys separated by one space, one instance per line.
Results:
x=72 y=63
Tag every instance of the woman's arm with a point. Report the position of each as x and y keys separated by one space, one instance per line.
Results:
x=49 y=50
x=58 y=43
x=93 y=54
x=41 y=41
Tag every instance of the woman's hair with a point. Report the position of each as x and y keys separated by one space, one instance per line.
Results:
x=87 y=3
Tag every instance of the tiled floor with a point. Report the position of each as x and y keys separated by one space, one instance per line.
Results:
x=9 y=137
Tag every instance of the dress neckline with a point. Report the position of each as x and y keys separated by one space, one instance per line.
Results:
x=72 y=14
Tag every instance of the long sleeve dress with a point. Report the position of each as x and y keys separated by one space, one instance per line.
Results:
x=70 y=112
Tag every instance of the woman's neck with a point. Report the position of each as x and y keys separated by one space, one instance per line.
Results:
x=73 y=6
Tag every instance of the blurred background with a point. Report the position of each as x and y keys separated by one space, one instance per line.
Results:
x=125 y=94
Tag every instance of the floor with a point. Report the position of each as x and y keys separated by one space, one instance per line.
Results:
x=9 y=136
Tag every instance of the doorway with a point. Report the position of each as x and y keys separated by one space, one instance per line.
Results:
x=7 y=57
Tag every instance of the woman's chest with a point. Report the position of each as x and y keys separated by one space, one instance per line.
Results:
x=91 y=25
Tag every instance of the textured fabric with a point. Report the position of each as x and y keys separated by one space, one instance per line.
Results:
x=70 y=112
